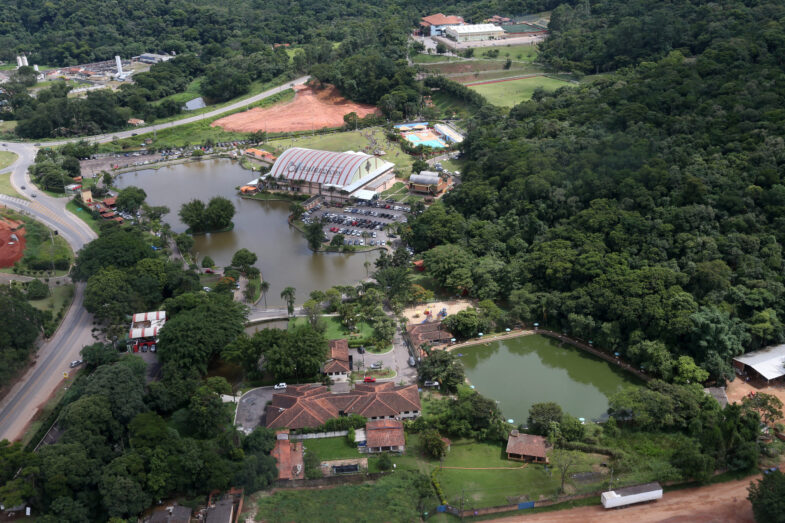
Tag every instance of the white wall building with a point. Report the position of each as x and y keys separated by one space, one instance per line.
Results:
x=474 y=33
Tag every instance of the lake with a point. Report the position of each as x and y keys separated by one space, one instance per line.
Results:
x=520 y=372
x=260 y=226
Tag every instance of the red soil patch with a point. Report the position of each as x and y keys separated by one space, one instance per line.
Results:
x=311 y=109
x=11 y=250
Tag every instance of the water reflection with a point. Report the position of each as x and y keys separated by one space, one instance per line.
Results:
x=532 y=369
x=284 y=257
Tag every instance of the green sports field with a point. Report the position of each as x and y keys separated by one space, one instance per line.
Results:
x=513 y=92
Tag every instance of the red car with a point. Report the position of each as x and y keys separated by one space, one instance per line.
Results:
x=208 y=271
x=369 y=379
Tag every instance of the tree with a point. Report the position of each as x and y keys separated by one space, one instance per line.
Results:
x=288 y=295
x=419 y=165
x=385 y=461
x=109 y=296
x=300 y=353
x=184 y=242
x=312 y=310
x=130 y=199
x=441 y=48
x=296 y=210
x=98 y=354
x=207 y=415
x=207 y=262
x=541 y=415
x=37 y=290
x=244 y=259
x=767 y=496
x=264 y=287
x=444 y=367
x=465 y=324
x=193 y=215
x=219 y=213
x=433 y=444
x=314 y=233
x=566 y=461
x=768 y=406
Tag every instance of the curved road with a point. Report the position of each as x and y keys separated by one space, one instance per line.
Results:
x=22 y=402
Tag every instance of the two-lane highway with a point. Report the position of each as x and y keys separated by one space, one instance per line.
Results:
x=22 y=402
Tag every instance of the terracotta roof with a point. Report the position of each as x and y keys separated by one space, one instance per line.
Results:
x=440 y=19
x=428 y=332
x=339 y=352
x=384 y=433
x=288 y=456
x=312 y=404
x=526 y=445
x=110 y=201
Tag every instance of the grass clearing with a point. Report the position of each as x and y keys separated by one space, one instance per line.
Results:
x=331 y=448
x=347 y=141
x=59 y=297
x=7 y=188
x=509 y=94
x=7 y=126
x=521 y=52
x=336 y=331
x=84 y=216
x=450 y=106
x=7 y=158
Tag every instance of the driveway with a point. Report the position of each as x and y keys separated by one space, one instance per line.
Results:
x=397 y=359
x=250 y=409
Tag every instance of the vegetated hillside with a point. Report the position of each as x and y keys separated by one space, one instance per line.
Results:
x=79 y=31
x=643 y=210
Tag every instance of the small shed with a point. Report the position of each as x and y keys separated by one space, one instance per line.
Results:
x=526 y=447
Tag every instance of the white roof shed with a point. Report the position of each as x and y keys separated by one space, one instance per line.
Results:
x=768 y=362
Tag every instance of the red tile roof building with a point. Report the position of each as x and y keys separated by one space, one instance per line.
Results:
x=526 y=447
x=384 y=435
x=311 y=405
x=338 y=365
x=288 y=456
x=432 y=333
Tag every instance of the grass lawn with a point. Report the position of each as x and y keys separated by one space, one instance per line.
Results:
x=84 y=216
x=347 y=141
x=7 y=188
x=6 y=159
x=7 y=126
x=59 y=297
x=378 y=374
x=509 y=94
x=336 y=331
x=468 y=453
x=488 y=488
x=453 y=165
x=331 y=448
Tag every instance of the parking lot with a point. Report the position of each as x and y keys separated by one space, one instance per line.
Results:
x=364 y=224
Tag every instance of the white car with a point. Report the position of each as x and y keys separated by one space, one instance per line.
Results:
x=76 y=363
x=280 y=386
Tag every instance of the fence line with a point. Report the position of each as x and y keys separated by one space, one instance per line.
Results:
x=319 y=435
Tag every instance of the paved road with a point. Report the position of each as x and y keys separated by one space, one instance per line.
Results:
x=19 y=406
x=210 y=114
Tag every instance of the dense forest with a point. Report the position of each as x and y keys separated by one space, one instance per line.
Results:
x=71 y=32
x=643 y=210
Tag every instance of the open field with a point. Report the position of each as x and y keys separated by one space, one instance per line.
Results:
x=521 y=52
x=511 y=93
x=311 y=109
x=474 y=66
x=6 y=159
x=7 y=126
x=484 y=76
x=347 y=141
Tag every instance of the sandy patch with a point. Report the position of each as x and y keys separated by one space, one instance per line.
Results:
x=11 y=247
x=311 y=109
x=739 y=388
x=452 y=306
x=714 y=503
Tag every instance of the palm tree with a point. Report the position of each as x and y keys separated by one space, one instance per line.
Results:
x=288 y=295
x=264 y=287
x=367 y=266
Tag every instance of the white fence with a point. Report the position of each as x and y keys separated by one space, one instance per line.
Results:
x=319 y=435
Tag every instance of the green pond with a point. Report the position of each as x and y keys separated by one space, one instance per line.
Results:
x=520 y=372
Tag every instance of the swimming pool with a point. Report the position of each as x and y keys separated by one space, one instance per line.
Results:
x=431 y=142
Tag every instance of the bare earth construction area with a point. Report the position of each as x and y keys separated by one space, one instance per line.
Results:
x=311 y=109
x=12 y=242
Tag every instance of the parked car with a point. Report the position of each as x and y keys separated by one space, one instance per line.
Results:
x=369 y=379
x=361 y=350
x=412 y=362
x=429 y=383
x=208 y=271
x=76 y=363
x=376 y=366
x=280 y=386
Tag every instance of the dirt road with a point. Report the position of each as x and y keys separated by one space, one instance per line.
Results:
x=723 y=502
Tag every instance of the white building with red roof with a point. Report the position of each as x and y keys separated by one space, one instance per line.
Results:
x=434 y=25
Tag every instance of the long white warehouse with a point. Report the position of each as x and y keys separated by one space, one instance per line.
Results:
x=631 y=495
